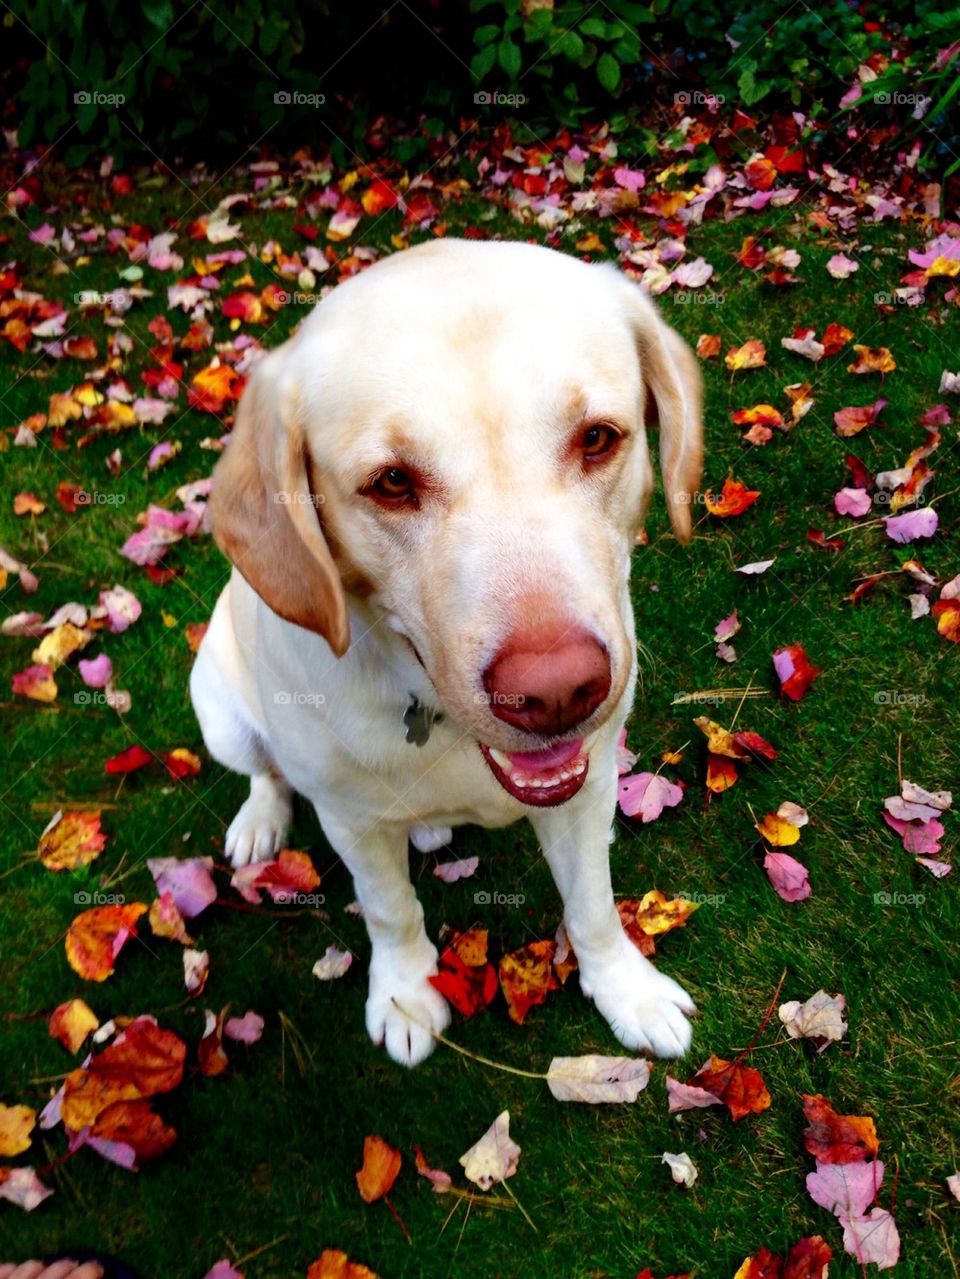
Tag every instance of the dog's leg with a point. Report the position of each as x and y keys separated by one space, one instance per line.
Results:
x=402 y=1007
x=260 y=827
x=646 y=1010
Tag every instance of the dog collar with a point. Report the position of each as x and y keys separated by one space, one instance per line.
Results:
x=418 y=720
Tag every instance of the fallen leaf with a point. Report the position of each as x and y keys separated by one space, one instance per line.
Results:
x=872 y=360
x=734 y=499
x=333 y=1264
x=794 y=671
x=751 y=355
x=16 y=1125
x=738 y=1086
x=72 y=1022
x=527 y=977
x=597 y=1080
x=789 y=877
x=837 y=1139
x=820 y=1018
x=494 y=1157
x=381 y=1167
x=335 y=963
x=70 y=840
x=681 y=1168
x=96 y=937
x=646 y=795
x=464 y=977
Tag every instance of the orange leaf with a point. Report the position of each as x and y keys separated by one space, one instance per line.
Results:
x=96 y=937
x=527 y=977
x=778 y=831
x=71 y=840
x=182 y=763
x=146 y=1056
x=764 y=414
x=734 y=499
x=721 y=773
x=947 y=613
x=720 y=741
x=213 y=387
x=381 y=1165
x=28 y=504
x=464 y=977
x=135 y=1124
x=708 y=345
x=627 y=908
x=657 y=914
x=837 y=1139
x=332 y=1264
x=36 y=682
x=752 y=355
x=72 y=1022
x=739 y=1087
x=86 y=1095
x=835 y=338
x=872 y=360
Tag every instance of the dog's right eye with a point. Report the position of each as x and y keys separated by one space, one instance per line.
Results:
x=393 y=487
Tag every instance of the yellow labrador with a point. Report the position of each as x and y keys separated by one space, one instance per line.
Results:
x=430 y=499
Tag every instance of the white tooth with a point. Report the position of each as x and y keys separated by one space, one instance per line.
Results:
x=580 y=768
x=566 y=775
x=500 y=759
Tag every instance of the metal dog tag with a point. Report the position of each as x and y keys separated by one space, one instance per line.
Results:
x=418 y=721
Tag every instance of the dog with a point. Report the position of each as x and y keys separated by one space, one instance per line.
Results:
x=430 y=498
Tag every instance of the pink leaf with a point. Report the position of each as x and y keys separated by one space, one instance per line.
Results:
x=188 y=881
x=646 y=795
x=852 y=502
x=788 y=876
x=912 y=524
x=463 y=868
x=246 y=1029
x=688 y=1097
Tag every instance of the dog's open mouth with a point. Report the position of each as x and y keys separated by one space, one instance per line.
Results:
x=541 y=778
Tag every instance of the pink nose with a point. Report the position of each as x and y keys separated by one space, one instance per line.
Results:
x=546 y=680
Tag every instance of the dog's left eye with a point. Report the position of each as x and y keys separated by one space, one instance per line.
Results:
x=394 y=487
x=598 y=440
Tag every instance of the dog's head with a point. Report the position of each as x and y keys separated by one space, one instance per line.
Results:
x=459 y=435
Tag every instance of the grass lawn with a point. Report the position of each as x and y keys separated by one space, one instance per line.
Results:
x=266 y=1153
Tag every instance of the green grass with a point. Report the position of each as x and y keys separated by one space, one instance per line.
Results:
x=266 y=1154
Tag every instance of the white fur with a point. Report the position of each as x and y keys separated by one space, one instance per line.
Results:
x=474 y=353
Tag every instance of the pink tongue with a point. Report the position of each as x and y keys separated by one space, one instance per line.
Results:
x=547 y=761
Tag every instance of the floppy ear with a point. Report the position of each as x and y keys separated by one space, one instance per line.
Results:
x=265 y=515
x=673 y=390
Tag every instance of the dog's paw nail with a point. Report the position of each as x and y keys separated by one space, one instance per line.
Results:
x=406 y=1020
x=258 y=831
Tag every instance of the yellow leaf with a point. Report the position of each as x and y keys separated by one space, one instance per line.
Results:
x=778 y=831
x=72 y=1022
x=658 y=914
x=71 y=840
x=62 y=642
x=16 y=1125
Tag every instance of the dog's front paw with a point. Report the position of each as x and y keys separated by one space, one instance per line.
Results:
x=647 y=1011
x=259 y=829
x=404 y=1011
